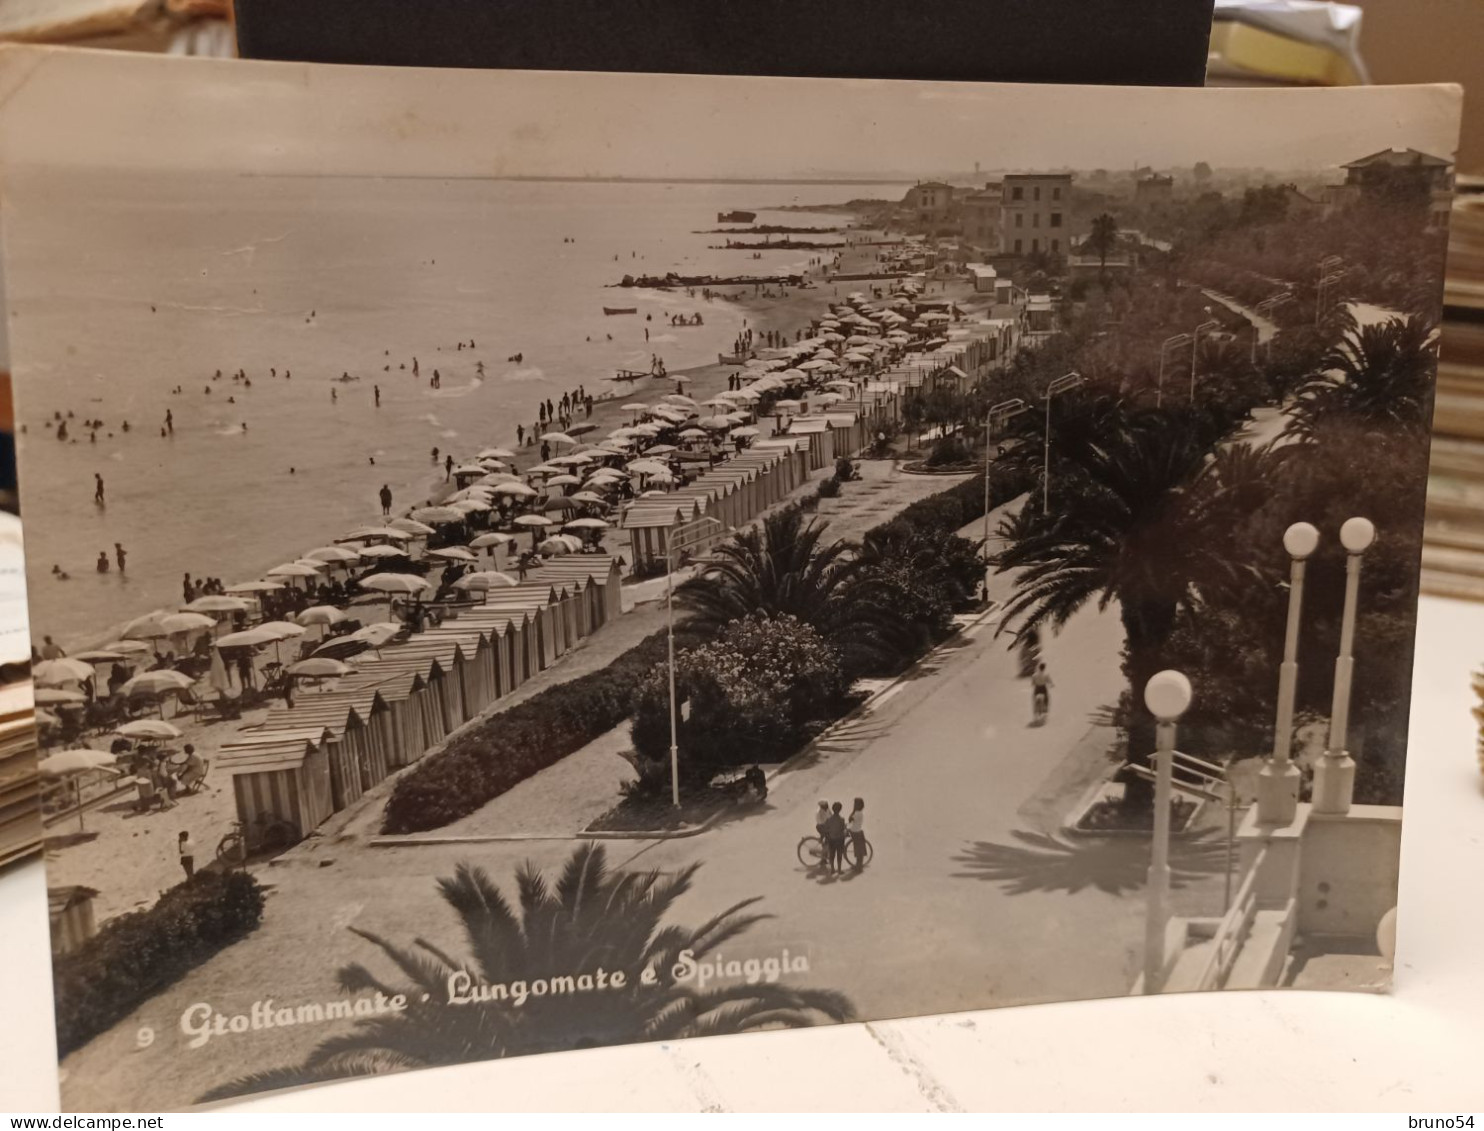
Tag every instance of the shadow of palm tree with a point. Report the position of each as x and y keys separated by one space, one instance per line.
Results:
x=1115 y=866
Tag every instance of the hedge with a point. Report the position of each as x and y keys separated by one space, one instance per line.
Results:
x=137 y=955
x=959 y=505
x=510 y=746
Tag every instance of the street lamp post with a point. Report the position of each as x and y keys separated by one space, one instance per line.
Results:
x=1002 y=412
x=1195 y=341
x=1329 y=273
x=1065 y=382
x=1278 y=780
x=687 y=536
x=1173 y=342
x=1167 y=695
x=1334 y=777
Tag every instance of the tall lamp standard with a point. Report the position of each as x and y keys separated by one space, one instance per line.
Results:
x=1195 y=342
x=1175 y=341
x=1328 y=266
x=1000 y=412
x=694 y=535
x=1334 y=777
x=1278 y=780
x=1167 y=695
x=1267 y=308
x=1064 y=383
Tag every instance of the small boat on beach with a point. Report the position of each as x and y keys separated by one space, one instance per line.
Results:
x=737 y=217
x=631 y=375
x=620 y=310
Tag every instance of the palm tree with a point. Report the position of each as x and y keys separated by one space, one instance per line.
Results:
x=785 y=568
x=1144 y=517
x=1102 y=239
x=592 y=919
x=1376 y=381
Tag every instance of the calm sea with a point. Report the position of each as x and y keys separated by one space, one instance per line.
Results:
x=123 y=288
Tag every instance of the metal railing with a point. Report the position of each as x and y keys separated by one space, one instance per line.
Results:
x=1233 y=930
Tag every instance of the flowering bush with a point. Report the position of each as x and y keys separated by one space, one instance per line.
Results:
x=747 y=696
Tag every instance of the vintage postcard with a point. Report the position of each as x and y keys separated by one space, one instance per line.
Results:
x=522 y=562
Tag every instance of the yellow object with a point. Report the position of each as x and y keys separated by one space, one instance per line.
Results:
x=1241 y=50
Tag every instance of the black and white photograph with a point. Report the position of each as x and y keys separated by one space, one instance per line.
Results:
x=521 y=562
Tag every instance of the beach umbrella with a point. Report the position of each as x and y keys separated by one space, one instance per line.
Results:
x=150 y=730
x=591 y=498
x=383 y=552
x=561 y=503
x=411 y=526
x=563 y=481
x=551 y=547
x=255 y=587
x=57 y=695
x=319 y=667
x=99 y=656
x=521 y=490
x=693 y=434
x=281 y=629
x=496 y=453
x=391 y=583
x=321 y=614
x=494 y=538
x=634 y=406
x=678 y=398
x=293 y=569
x=437 y=516
x=160 y=682
x=453 y=554
x=468 y=469
x=715 y=423
x=186 y=622
x=129 y=647
x=145 y=628
x=581 y=429
x=828 y=398
x=376 y=635
x=71 y=763
x=484 y=580
x=532 y=520
x=665 y=476
x=586 y=524
x=388 y=532
x=745 y=431
x=557 y=438
x=647 y=467
x=659 y=449
x=334 y=555
x=341 y=648
x=53 y=673
x=492 y=480
x=248 y=638
x=467 y=507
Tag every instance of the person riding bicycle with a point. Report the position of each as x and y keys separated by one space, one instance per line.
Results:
x=1041 y=691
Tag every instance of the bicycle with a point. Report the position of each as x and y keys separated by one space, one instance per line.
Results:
x=811 y=852
x=267 y=834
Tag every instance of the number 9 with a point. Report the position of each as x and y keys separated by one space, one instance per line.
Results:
x=145 y=1037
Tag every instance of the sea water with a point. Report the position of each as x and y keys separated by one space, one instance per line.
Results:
x=123 y=287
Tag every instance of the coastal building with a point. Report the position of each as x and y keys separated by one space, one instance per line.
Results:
x=929 y=203
x=1393 y=174
x=1040 y=316
x=1034 y=211
x=979 y=219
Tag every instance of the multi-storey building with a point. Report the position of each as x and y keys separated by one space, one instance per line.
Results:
x=1034 y=213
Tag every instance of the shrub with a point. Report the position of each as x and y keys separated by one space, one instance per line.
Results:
x=948 y=450
x=828 y=489
x=137 y=955
x=749 y=695
x=508 y=747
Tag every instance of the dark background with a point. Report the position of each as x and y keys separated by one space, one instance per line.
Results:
x=1132 y=42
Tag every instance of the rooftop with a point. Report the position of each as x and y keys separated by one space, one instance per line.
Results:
x=1398 y=158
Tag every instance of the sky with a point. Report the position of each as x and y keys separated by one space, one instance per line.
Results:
x=108 y=110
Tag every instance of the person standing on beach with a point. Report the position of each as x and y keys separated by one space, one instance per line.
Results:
x=102 y=561
x=170 y=422
x=188 y=590
x=187 y=850
x=545 y=451
x=386 y=500
x=98 y=489
x=376 y=389
x=447 y=468
x=520 y=435
x=119 y=554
